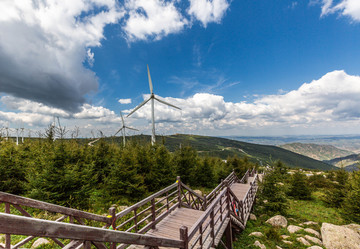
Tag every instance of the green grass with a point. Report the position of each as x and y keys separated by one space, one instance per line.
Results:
x=298 y=212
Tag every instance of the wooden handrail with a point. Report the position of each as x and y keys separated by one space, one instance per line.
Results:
x=144 y=201
x=23 y=201
x=19 y=225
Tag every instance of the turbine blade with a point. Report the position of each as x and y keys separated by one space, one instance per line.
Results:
x=118 y=131
x=166 y=103
x=122 y=118
x=136 y=108
x=130 y=128
x=150 y=83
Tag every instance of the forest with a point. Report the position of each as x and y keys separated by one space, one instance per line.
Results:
x=70 y=173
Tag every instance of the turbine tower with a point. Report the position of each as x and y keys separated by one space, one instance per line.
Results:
x=152 y=98
x=123 y=128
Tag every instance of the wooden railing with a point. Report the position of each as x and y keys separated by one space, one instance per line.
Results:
x=132 y=223
x=204 y=232
x=27 y=207
x=80 y=236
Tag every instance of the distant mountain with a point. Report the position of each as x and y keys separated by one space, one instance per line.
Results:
x=350 y=163
x=222 y=147
x=317 y=151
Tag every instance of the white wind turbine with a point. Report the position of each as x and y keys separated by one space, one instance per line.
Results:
x=152 y=98
x=123 y=127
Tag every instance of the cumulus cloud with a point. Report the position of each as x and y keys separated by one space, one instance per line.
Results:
x=207 y=11
x=92 y=112
x=152 y=19
x=350 y=8
x=331 y=99
x=44 y=44
x=125 y=101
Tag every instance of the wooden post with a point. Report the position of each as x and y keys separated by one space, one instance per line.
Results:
x=87 y=245
x=153 y=217
x=212 y=227
x=228 y=236
x=242 y=210
x=178 y=180
x=184 y=236
x=112 y=213
x=7 y=236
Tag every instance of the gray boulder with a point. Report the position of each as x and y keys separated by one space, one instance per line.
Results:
x=40 y=242
x=303 y=241
x=313 y=232
x=313 y=239
x=294 y=229
x=258 y=244
x=256 y=234
x=339 y=237
x=277 y=221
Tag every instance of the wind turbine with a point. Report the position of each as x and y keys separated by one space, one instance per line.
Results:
x=152 y=98
x=123 y=128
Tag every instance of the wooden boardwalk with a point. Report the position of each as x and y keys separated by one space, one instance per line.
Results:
x=175 y=217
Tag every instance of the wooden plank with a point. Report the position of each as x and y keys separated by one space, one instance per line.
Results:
x=43 y=228
x=18 y=200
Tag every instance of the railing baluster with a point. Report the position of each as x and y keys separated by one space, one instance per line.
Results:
x=7 y=236
x=201 y=236
x=153 y=217
x=179 y=190
x=212 y=227
x=135 y=220
x=167 y=201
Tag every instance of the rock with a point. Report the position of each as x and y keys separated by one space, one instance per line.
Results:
x=285 y=236
x=313 y=232
x=265 y=201
x=40 y=242
x=256 y=234
x=303 y=241
x=314 y=247
x=277 y=221
x=198 y=192
x=293 y=229
x=280 y=183
x=339 y=237
x=287 y=242
x=258 y=244
x=308 y=223
x=252 y=217
x=278 y=247
x=313 y=239
x=292 y=219
x=355 y=227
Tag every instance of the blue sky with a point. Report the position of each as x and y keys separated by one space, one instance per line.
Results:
x=234 y=67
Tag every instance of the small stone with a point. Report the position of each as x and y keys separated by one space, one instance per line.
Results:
x=278 y=247
x=292 y=219
x=198 y=192
x=313 y=239
x=303 y=241
x=256 y=234
x=265 y=201
x=40 y=242
x=277 y=221
x=287 y=242
x=308 y=223
x=285 y=236
x=293 y=229
x=252 y=217
x=314 y=247
x=280 y=183
x=313 y=232
x=258 y=244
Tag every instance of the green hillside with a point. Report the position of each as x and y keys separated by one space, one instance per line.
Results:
x=222 y=147
x=350 y=163
x=317 y=151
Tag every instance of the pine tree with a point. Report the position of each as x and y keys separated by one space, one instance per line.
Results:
x=299 y=188
x=351 y=204
x=185 y=161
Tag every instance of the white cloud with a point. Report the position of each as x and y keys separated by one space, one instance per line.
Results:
x=90 y=57
x=152 y=19
x=93 y=112
x=207 y=11
x=24 y=105
x=45 y=45
x=331 y=101
x=350 y=8
x=125 y=101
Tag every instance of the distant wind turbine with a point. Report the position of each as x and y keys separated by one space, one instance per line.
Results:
x=152 y=98
x=123 y=127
